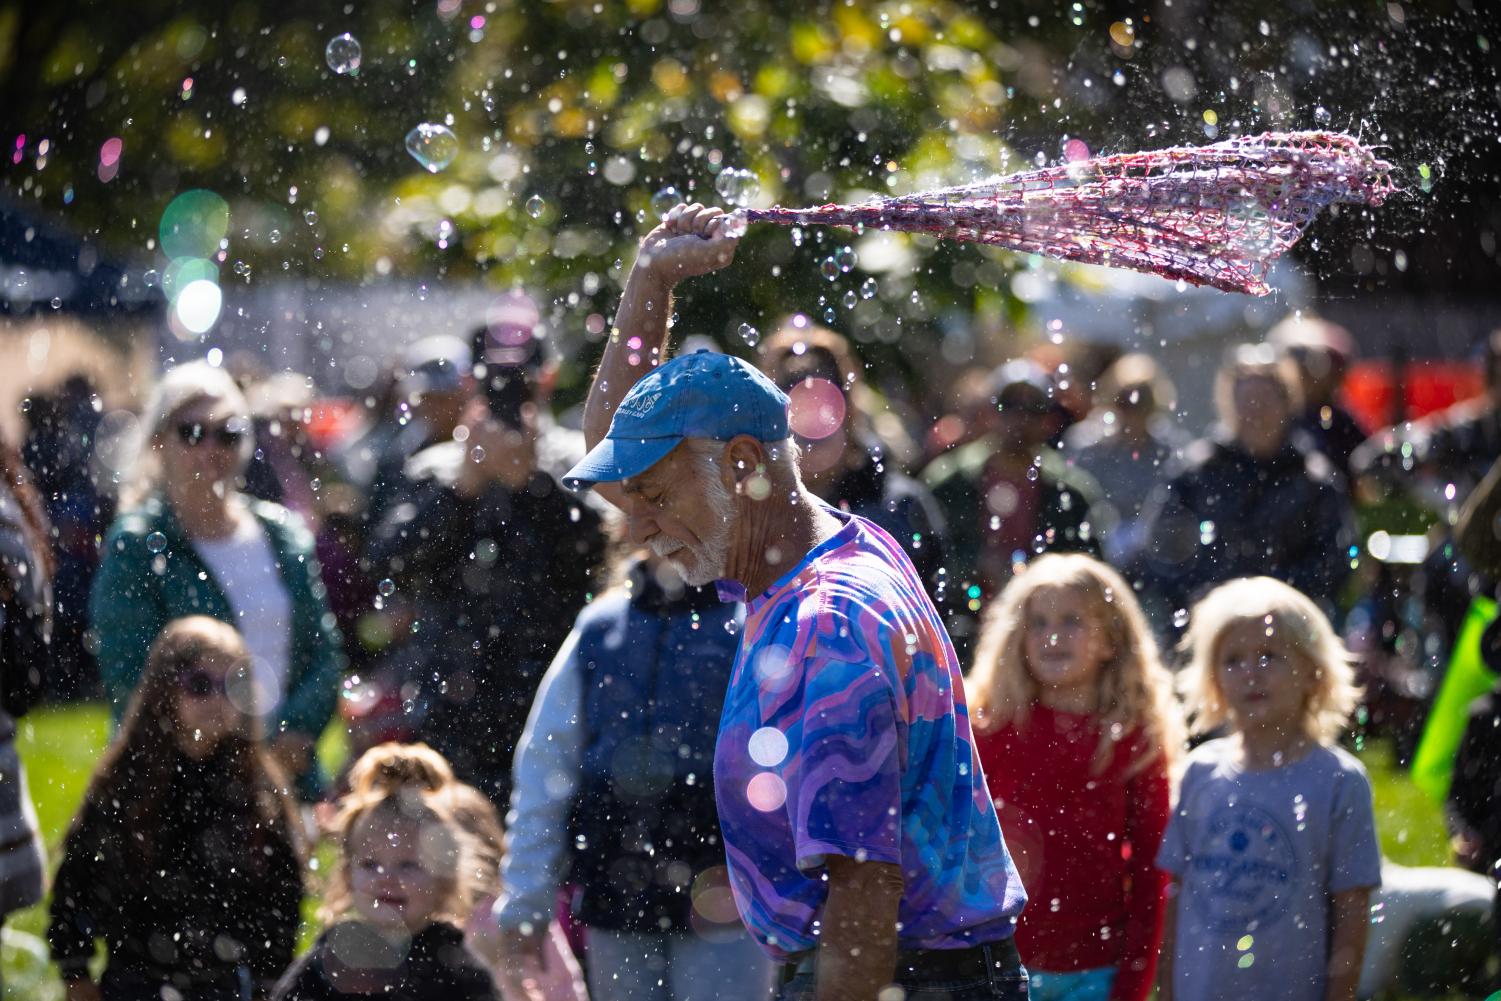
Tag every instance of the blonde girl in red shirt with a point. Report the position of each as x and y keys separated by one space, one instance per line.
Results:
x=1078 y=731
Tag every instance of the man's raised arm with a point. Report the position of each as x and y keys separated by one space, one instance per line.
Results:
x=690 y=241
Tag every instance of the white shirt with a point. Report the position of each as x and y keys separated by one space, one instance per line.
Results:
x=244 y=566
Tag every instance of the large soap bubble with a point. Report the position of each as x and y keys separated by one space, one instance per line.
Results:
x=434 y=146
x=343 y=54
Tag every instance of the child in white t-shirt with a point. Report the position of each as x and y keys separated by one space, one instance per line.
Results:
x=1272 y=846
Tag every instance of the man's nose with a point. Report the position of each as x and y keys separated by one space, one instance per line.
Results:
x=640 y=526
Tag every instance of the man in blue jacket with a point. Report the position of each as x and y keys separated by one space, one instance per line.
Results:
x=619 y=753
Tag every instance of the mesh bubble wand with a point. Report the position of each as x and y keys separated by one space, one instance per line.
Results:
x=1208 y=215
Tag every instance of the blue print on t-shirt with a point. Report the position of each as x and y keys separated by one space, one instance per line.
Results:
x=1249 y=865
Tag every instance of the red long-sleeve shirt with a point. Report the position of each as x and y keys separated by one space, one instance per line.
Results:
x=1084 y=843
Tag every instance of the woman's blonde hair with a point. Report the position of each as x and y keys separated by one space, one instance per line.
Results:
x=179 y=387
x=1293 y=617
x=1135 y=696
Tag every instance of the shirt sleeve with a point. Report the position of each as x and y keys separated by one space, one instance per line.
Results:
x=1355 y=853
x=546 y=776
x=1149 y=799
x=844 y=777
x=1172 y=857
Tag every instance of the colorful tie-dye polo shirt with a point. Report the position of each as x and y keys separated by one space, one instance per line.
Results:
x=845 y=732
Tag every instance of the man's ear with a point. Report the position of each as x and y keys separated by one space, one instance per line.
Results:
x=745 y=456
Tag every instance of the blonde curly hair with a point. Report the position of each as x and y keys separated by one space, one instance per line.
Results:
x=1136 y=692
x=1289 y=614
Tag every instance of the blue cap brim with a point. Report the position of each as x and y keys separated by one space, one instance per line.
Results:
x=616 y=459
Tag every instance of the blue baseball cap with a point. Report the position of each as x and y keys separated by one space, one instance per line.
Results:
x=700 y=395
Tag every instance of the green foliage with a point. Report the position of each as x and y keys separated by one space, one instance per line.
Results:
x=594 y=106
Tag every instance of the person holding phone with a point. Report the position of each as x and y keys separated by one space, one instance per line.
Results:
x=490 y=553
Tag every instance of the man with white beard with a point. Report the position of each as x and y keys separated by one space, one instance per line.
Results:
x=862 y=845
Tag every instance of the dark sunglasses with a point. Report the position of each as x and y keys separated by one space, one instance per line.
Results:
x=193 y=434
x=200 y=684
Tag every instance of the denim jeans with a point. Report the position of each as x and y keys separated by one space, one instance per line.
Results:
x=676 y=966
x=997 y=985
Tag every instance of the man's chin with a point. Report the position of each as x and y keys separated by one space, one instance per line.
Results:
x=696 y=575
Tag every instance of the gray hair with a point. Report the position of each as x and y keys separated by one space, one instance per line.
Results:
x=783 y=458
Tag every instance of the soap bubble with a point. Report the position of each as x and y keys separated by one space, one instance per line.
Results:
x=663 y=201
x=343 y=54
x=749 y=334
x=433 y=146
x=737 y=186
x=845 y=258
x=535 y=206
x=868 y=288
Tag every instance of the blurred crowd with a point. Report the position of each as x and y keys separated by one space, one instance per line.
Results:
x=530 y=703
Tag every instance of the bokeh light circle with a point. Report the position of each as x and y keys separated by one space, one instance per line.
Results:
x=817 y=408
x=193 y=223
x=197 y=306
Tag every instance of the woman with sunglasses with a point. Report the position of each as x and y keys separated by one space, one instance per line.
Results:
x=185 y=857
x=188 y=542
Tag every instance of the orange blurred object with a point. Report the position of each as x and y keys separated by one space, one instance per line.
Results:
x=331 y=421
x=1428 y=386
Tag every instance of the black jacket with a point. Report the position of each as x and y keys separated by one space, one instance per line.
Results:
x=437 y=966
x=223 y=893
x=903 y=507
x=494 y=582
x=1230 y=514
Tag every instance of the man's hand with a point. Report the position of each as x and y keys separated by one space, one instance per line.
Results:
x=525 y=962
x=690 y=241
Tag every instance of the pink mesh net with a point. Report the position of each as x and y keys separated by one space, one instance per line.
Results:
x=1212 y=215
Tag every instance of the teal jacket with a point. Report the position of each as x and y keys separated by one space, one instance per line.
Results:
x=150 y=574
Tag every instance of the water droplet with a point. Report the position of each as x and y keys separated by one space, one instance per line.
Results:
x=737 y=186
x=386 y=587
x=342 y=53
x=434 y=146
x=310 y=217
x=749 y=334
x=156 y=542
x=846 y=258
x=535 y=206
x=735 y=224
x=663 y=201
